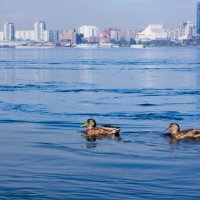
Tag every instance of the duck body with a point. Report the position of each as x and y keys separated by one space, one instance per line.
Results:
x=101 y=130
x=94 y=130
x=178 y=134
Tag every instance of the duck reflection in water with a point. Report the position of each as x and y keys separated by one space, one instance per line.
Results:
x=92 y=138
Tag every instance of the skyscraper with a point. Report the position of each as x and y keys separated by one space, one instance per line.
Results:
x=116 y=34
x=39 y=29
x=9 y=32
x=198 y=17
x=91 y=33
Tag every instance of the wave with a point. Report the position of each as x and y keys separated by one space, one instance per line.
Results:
x=99 y=62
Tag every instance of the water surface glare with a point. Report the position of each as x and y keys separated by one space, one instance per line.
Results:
x=45 y=95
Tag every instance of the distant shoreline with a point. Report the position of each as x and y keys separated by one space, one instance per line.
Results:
x=60 y=47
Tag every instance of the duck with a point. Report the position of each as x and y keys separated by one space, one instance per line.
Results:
x=179 y=134
x=94 y=130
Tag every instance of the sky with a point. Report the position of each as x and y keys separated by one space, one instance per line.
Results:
x=124 y=14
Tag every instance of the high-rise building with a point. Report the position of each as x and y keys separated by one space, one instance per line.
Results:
x=184 y=32
x=25 y=35
x=116 y=34
x=129 y=35
x=69 y=36
x=53 y=36
x=198 y=17
x=9 y=32
x=39 y=29
x=1 y=35
x=45 y=36
x=105 y=36
x=189 y=29
x=91 y=33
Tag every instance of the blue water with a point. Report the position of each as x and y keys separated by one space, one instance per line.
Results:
x=45 y=95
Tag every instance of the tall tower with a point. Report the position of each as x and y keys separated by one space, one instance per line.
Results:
x=91 y=33
x=9 y=32
x=198 y=17
x=39 y=29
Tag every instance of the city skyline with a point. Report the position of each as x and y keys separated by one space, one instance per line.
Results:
x=66 y=14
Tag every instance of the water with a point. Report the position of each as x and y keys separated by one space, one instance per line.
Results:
x=45 y=95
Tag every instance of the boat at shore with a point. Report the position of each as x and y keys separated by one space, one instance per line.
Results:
x=108 y=45
x=87 y=46
x=138 y=46
x=33 y=47
x=7 y=47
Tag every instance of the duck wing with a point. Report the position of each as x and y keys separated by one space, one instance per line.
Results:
x=184 y=132
x=110 y=129
x=103 y=130
x=109 y=126
x=192 y=133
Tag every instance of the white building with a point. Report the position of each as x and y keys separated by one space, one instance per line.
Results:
x=91 y=33
x=152 y=33
x=39 y=34
x=116 y=34
x=25 y=35
x=183 y=32
x=9 y=32
x=128 y=35
x=45 y=36
x=1 y=36
x=39 y=29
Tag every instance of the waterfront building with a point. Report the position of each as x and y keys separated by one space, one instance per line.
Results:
x=1 y=36
x=104 y=37
x=189 y=29
x=9 y=32
x=39 y=34
x=53 y=36
x=128 y=35
x=28 y=35
x=39 y=30
x=50 y=36
x=198 y=17
x=69 y=36
x=183 y=32
x=45 y=36
x=116 y=34
x=79 y=38
x=91 y=33
x=152 y=33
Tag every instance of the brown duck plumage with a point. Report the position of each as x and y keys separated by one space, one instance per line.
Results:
x=178 y=134
x=100 y=130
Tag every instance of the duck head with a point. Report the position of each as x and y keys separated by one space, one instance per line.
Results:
x=90 y=123
x=173 y=128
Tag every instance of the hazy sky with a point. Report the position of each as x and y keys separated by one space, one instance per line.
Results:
x=125 y=14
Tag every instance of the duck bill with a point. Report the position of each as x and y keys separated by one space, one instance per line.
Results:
x=83 y=125
x=167 y=130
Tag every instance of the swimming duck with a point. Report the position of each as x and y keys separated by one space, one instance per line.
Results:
x=177 y=134
x=94 y=130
